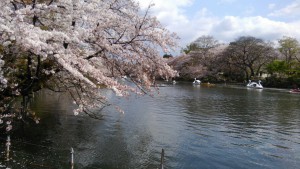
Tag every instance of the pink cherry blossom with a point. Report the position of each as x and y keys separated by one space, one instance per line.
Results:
x=91 y=44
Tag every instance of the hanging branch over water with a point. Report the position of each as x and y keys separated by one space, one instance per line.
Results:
x=79 y=47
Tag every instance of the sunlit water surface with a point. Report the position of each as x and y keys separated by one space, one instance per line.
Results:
x=198 y=127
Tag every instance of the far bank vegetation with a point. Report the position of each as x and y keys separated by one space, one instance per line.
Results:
x=246 y=58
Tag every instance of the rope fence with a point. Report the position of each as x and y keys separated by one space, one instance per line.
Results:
x=11 y=153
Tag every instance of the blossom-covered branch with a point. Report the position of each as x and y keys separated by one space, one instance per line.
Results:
x=80 y=46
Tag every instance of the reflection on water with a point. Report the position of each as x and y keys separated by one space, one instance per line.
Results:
x=219 y=127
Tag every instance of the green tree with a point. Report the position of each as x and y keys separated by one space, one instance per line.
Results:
x=290 y=48
x=277 y=66
x=189 y=48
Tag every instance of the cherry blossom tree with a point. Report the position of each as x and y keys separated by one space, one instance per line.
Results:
x=3 y=81
x=199 y=59
x=79 y=47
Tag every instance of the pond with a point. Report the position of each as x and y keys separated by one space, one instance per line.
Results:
x=197 y=126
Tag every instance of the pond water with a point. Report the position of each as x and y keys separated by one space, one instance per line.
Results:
x=198 y=127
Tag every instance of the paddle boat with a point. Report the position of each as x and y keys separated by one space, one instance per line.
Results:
x=196 y=82
x=255 y=85
x=296 y=91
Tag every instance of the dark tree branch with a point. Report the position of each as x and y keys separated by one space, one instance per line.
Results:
x=15 y=5
x=94 y=55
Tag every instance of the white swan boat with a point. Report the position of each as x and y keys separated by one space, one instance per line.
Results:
x=196 y=82
x=255 y=85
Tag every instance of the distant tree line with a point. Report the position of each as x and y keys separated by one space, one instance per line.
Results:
x=246 y=58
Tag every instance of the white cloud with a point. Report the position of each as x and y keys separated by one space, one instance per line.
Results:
x=290 y=10
x=232 y=27
x=229 y=28
x=169 y=12
x=172 y=14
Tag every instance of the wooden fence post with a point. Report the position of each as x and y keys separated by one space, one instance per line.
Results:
x=7 y=147
x=72 y=158
x=162 y=159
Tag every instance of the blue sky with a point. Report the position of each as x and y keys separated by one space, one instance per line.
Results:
x=226 y=20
